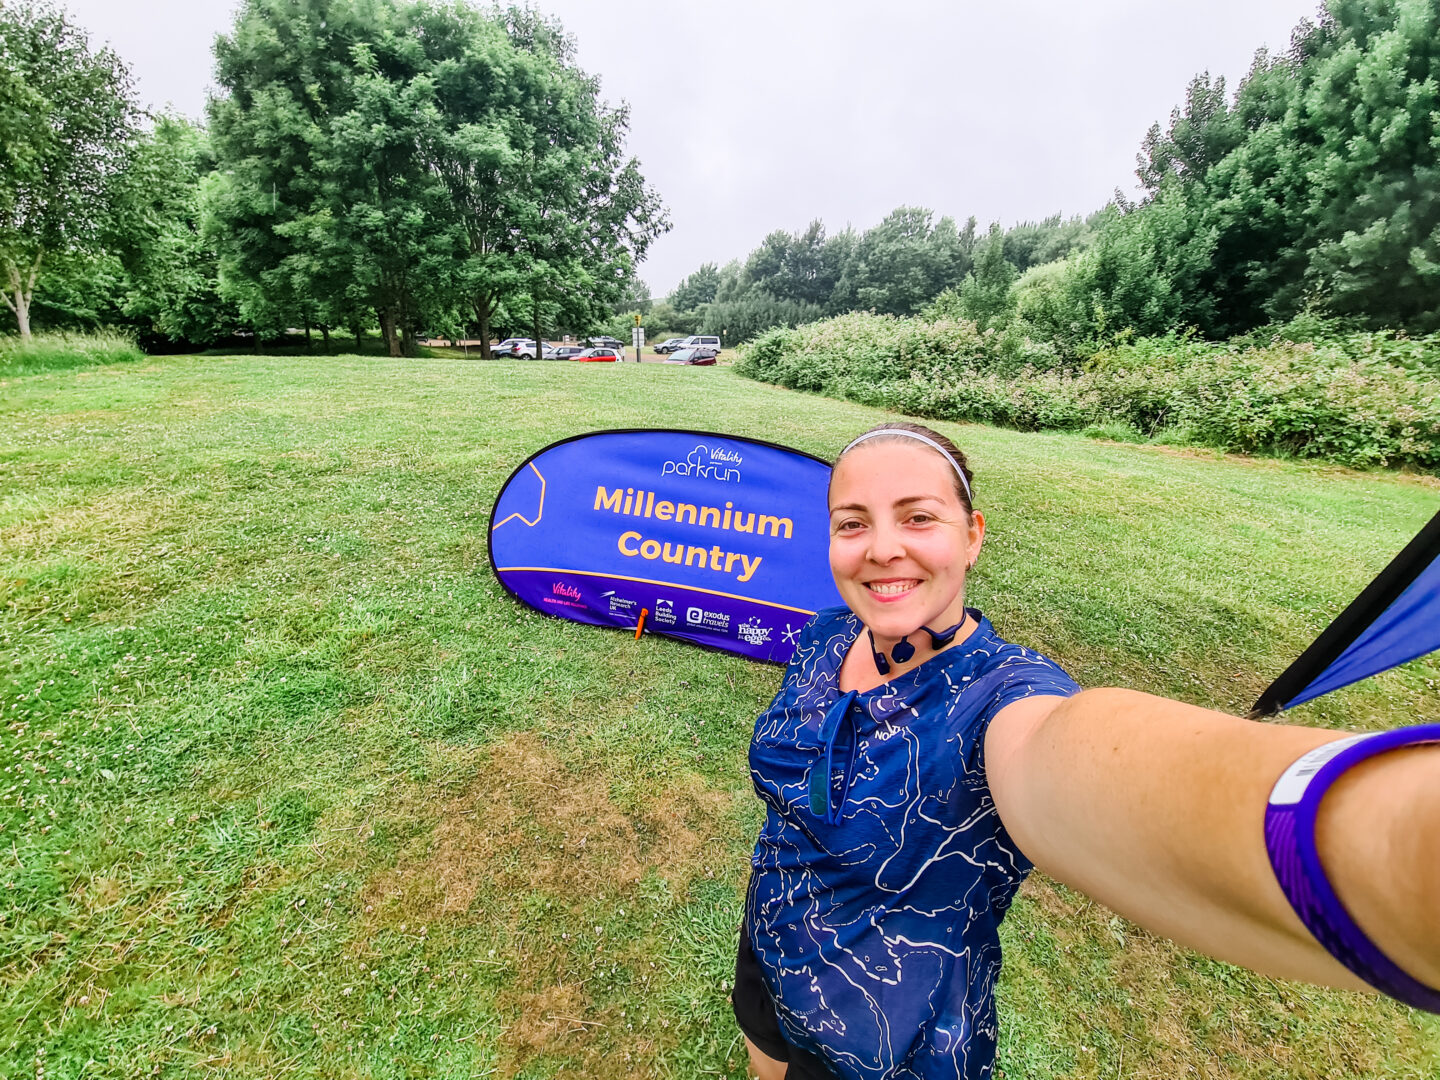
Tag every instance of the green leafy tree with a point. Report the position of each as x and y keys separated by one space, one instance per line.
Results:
x=424 y=162
x=985 y=292
x=1369 y=110
x=904 y=262
x=1035 y=243
x=286 y=71
x=171 y=282
x=66 y=113
x=698 y=289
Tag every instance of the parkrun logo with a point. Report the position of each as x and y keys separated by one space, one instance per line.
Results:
x=712 y=463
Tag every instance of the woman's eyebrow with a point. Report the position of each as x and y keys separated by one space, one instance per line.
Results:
x=906 y=501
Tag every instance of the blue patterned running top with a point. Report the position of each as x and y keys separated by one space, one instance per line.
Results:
x=874 y=906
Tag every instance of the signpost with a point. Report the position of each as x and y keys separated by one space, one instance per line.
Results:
x=638 y=337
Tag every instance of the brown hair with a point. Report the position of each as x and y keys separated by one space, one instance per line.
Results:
x=956 y=455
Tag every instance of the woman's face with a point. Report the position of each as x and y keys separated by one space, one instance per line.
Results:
x=900 y=540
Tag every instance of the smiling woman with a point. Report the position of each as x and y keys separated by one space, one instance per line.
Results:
x=910 y=786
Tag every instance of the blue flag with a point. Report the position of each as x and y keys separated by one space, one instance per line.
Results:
x=1396 y=618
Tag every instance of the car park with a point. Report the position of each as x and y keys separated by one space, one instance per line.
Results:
x=598 y=355
x=693 y=357
x=669 y=345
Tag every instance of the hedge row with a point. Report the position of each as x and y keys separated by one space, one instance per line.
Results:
x=1349 y=401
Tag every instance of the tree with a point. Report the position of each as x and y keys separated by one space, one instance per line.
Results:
x=985 y=292
x=1369 y=110
x=171 y=281
x=66 y=112
x=423 y=161
x=1199 y=136
x=698 y=289
x=903 y=263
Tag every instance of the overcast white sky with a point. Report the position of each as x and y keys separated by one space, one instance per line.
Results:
x=753 y=115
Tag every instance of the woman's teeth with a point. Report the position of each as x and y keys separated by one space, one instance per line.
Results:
x=891 y=588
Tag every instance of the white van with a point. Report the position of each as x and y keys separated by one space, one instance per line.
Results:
x=700 y=341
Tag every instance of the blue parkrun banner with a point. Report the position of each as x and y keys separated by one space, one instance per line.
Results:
x=713 y=539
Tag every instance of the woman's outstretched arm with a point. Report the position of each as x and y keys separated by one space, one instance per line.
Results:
x=1157 y=809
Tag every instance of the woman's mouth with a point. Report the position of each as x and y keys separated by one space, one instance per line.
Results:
x=892 y=589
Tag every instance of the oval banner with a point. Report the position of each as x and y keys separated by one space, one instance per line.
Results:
x=717 y=540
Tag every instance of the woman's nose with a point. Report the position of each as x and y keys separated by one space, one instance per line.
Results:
x=885 y=545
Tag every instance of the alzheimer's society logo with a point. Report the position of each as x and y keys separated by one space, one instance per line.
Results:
x=706 y=462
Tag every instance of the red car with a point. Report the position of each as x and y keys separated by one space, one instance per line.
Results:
x=599 y=355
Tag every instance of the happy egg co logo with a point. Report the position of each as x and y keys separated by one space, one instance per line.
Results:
x=712 y=462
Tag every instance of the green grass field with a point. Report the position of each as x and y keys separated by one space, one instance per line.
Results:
x=292 y=788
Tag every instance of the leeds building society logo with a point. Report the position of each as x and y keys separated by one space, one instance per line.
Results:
x=712 y=463
x=664 y=612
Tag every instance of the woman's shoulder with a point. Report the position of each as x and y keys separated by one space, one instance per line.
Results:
x=822 y=640
x=1006 y=664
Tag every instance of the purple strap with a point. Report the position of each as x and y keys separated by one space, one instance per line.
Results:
x=1290 y=840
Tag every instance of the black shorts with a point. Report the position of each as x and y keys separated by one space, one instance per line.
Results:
x=755 y=1013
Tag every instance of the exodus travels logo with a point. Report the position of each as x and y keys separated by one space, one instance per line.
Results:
x=752 y=633
x=707 y=620
x=712 y=463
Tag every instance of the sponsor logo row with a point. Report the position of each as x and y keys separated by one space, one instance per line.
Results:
x=752 y=631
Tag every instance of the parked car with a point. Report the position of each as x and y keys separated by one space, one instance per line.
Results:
x=669 y=345
x=607 y=343
x=598 y=355
x=565 y=352
x=701 y=341
x=694 y=357
x=523 y=349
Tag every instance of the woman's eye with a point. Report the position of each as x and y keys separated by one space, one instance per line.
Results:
x=848 y=526
x=920 y=519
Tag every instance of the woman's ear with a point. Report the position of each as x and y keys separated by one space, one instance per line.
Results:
x=977 y=538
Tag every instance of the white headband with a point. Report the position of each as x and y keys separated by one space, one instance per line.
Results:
x=921 y=438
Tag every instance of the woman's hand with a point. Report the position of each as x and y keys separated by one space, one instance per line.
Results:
x=1157 y=809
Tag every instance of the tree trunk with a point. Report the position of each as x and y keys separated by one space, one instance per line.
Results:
x=325 y=333
x=539 y=348
x=483 y=309
x=359 y=343
x=19 y=293
x=22 y=314
x=307 y=335
x=388 y=331
x=257 y=340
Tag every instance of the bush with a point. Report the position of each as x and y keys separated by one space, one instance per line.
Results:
x=1361 y=399
x=61 y=351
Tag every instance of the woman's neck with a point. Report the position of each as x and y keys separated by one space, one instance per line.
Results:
x=859 y=671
